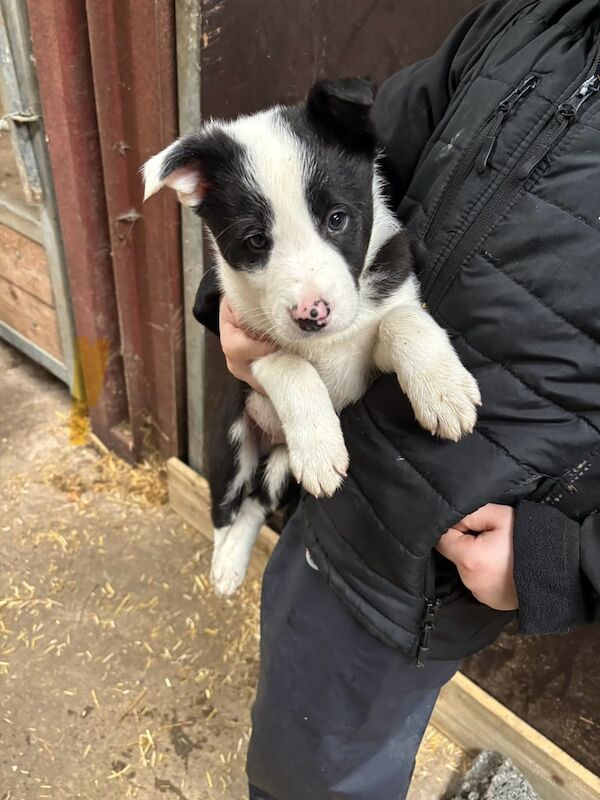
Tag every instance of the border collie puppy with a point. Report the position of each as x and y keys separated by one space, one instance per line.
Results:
x=308 y=254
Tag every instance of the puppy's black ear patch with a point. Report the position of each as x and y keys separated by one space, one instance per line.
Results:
x=189 y=165
x=342 y=108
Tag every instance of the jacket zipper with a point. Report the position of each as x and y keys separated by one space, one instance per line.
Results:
x=489 y=133
x=564 y=116
x=503 y=112
x=428 y=624
x=428 y=620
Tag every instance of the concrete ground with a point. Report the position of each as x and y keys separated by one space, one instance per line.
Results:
x=121 y=674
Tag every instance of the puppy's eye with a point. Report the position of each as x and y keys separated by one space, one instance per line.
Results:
x=337 y=221
x=257 y=242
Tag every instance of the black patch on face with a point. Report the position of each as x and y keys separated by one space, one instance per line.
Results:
x=233 y=206
x=392 y=265
x=338 y=179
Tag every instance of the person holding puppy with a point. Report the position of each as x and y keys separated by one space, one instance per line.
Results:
x=372 y=597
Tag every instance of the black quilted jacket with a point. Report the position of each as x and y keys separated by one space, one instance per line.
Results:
x=493 y=149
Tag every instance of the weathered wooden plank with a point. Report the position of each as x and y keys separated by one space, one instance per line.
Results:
x=20 y=217
x=30 y=317
x=24 y=263
x=476 y=721
x=16 y=20
x=17 y=112
x=190 y=497
x=188 y=19
x=61 y=47
x=35 y=353
x=145 y=239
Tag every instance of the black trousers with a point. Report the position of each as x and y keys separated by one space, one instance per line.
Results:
x=338 y=714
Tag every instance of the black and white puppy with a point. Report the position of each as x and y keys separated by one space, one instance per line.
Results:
x=309 y=254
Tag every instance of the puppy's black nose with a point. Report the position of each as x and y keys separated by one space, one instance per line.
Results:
x=312 y=315
x=311 y=325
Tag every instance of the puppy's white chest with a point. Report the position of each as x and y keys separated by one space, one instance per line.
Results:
x=346 y=367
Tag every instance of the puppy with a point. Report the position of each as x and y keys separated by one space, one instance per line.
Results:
x=309 y=255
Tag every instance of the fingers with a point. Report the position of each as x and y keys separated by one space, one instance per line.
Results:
x=457 y=546
x=239 y=347
x=490 y=517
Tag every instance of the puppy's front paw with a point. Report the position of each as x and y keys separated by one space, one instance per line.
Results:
x=446 y=402
x=318 y=458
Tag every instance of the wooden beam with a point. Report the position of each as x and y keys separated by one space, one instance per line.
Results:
x=24 y=263
x=15 y=20
x=20 y=217
x=189 y=495
x=464 y=713
x=189 y=43
x=33 y=351
x=32 y=318
x=133 y=56
x=476 y=721
x=62 y=55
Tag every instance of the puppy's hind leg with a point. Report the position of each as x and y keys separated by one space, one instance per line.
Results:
x=231 y=559
x=233 y=469
x=230 y=562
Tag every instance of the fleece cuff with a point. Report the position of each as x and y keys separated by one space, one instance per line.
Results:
x=547 y=571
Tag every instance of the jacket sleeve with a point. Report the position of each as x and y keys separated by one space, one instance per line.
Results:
x=556 y=568
x=206 y=304
x=411 y=103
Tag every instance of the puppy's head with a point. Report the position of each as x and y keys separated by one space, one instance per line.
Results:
x=287 y=196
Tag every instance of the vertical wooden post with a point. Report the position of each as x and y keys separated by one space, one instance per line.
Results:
x=61 y=49
x=189 y=37
x=134 y=72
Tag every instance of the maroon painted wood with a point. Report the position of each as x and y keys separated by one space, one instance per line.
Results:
x=259 y=52
x=134 y=71
x=61 y=49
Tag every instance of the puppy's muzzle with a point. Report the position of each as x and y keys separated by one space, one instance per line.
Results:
x=312 y=315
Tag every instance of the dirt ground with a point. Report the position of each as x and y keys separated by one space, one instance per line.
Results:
x=121 y=674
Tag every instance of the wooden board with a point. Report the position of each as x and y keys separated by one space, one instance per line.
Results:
x=24 y=263
x=464 y=713
x=475 y=721
x=30 y=317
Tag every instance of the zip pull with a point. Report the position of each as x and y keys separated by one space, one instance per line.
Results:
x=566 y=114
x=502 y=114
x=427 y=627
x=571 y=106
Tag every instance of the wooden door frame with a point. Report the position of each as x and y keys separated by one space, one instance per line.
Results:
x=189 y=87
x=25 y=90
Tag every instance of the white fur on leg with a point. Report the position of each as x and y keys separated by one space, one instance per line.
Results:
x=276 y=475
x=246 y=456
x=232 y=556
x=318 y=455
x=443 y=394
x=219 y=536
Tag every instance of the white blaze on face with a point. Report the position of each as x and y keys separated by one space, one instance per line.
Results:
x=302 y=264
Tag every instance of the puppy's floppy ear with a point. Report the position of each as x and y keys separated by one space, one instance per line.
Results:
x=342 y=108
x=180 y=167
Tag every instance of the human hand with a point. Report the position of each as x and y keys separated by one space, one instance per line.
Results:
x=240 y=347
x=485 y=561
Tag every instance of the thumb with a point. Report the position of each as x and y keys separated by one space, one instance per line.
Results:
x=455 y=544
x=484 y=519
